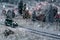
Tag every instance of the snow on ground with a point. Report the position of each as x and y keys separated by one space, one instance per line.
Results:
x=41 y=26
x=21 y=34
x=24 y=34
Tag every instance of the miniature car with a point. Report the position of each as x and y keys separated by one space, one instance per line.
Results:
x=10 y=22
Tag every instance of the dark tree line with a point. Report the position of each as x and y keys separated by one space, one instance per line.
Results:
x=10 y=1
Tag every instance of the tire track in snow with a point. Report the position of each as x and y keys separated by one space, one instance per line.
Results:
x=56 y=36
x=40 y=32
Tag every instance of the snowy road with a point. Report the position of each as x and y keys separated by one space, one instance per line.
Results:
x=42 y=33
x=23 y=34
x=55 y=36
x=30 y=31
